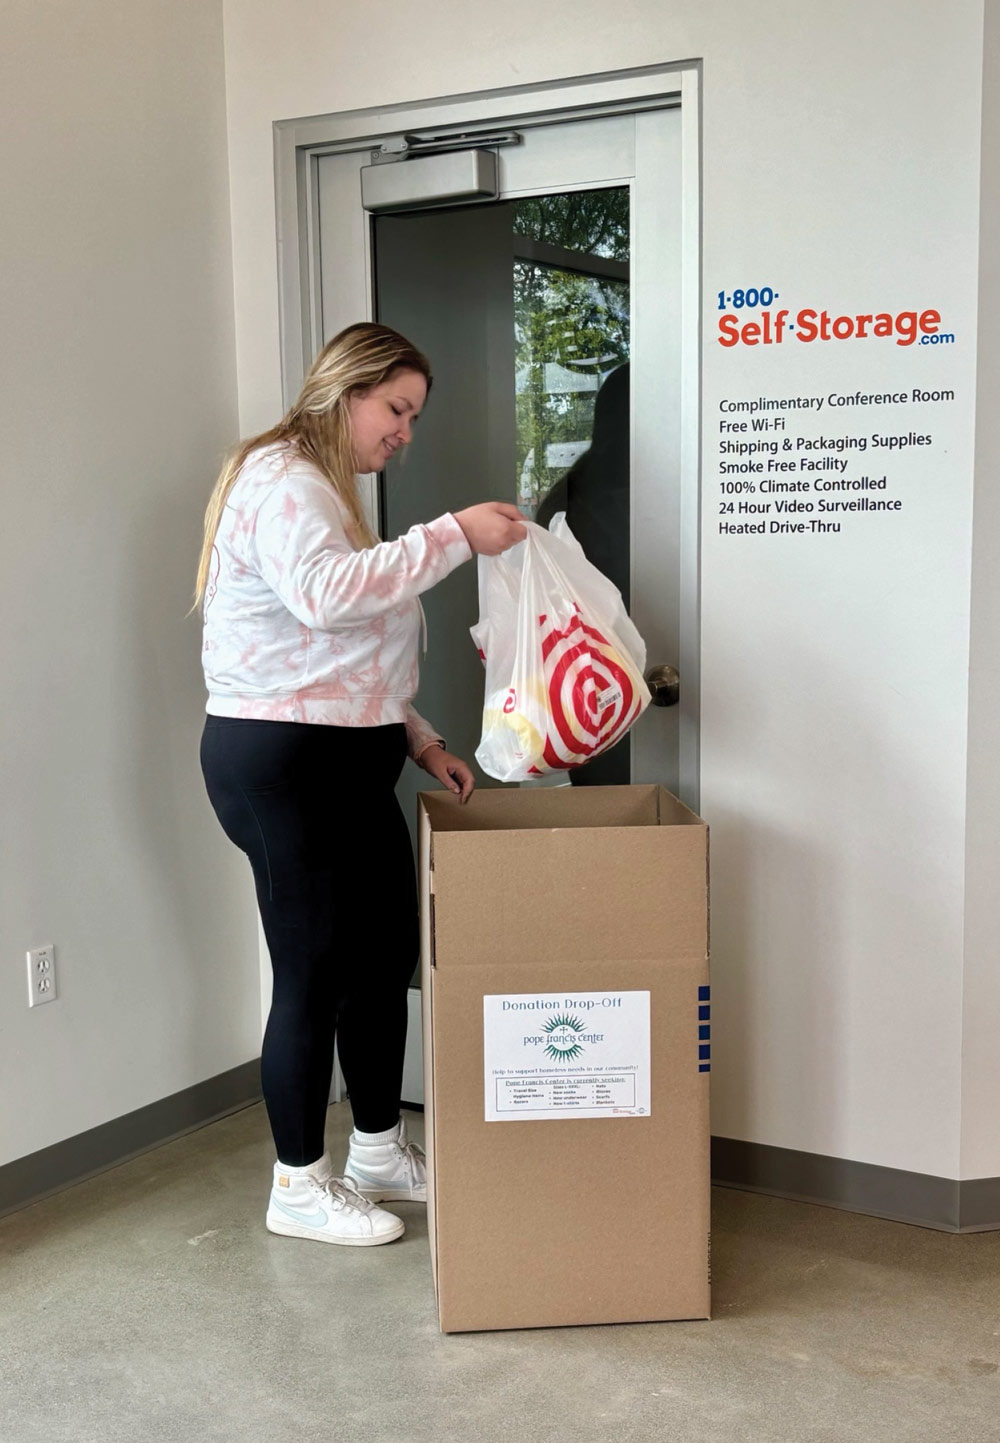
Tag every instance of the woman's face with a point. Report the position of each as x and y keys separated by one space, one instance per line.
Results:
x=382 y=418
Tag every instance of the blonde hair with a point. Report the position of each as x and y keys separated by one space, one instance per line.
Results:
x=318 y=425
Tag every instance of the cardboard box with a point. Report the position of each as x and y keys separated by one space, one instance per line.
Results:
x=566 y=1056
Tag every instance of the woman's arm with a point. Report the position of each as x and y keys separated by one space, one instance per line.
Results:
x=420 y=734
x=428 y=751
x=300 y=545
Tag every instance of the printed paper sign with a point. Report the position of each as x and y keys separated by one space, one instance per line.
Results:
x=851 y=440
x=560 y=1054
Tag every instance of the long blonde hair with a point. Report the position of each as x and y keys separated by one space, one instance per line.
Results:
x=318 y=425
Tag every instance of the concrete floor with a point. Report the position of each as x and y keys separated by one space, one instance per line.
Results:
x=151 y=1304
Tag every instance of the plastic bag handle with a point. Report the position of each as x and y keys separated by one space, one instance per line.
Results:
x=502 y=568
x=538 y=538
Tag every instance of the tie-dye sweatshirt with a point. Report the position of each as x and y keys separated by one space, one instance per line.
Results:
x=300 y=626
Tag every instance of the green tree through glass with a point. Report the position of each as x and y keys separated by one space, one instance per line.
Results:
x=571 y=329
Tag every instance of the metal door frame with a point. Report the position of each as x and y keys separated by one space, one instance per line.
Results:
x=299 y=143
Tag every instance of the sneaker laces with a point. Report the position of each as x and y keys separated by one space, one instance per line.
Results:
x=412 y=1149
x=413 y=1155
x=342 y=1194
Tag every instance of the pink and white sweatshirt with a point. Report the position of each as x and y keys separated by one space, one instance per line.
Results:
x=299 y=626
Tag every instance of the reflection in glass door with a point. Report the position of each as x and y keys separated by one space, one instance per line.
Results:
x=571 y=326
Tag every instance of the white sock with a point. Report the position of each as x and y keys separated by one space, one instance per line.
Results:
x=307 y=1171
x=372 y=1139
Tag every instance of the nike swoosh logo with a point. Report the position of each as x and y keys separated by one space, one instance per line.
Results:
x=316 y=1219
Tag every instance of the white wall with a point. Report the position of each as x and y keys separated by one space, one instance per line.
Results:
x=118 y=397
x=841 y=160
x=981 y=1055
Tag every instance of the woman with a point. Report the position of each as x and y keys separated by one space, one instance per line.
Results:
x=310 y=653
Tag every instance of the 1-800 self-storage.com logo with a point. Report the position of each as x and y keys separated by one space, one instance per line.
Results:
x=771 y=325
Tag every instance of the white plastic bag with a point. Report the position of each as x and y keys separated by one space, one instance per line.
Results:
x=563 y=661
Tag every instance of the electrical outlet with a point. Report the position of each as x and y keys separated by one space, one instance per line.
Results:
x=41 y=975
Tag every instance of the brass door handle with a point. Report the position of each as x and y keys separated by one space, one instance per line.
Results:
x=664 y=684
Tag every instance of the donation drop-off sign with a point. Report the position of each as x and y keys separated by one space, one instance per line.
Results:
x=559 y=1055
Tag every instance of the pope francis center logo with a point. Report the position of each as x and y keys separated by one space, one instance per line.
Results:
x=563 y=1043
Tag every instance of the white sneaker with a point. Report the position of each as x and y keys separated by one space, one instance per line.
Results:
x=387 y=1171
x=329 y=1210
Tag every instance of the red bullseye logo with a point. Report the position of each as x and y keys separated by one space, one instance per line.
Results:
x=593 y=694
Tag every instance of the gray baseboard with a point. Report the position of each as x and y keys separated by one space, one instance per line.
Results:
x=29 y=1179
x=884 y=1192
x=910 y=1197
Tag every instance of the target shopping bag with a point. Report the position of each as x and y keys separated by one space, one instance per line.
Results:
x=563 y=661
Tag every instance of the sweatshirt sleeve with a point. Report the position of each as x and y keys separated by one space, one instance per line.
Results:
x=300 y=545
x=420 y=734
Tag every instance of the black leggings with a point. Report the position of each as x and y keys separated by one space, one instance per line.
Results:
x=314 y=809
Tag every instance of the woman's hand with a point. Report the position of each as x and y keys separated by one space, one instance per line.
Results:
x=449 y=770
x=491 y=527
